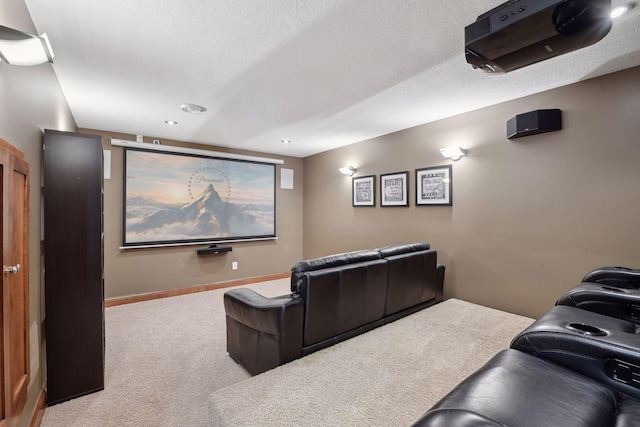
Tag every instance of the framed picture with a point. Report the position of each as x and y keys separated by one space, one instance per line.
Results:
x=364 y=191
x=434 y=186
x=393 y=189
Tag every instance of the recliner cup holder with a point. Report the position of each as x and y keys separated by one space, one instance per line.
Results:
x=585 y=329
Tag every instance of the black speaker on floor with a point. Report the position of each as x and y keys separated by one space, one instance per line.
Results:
x=534 y=122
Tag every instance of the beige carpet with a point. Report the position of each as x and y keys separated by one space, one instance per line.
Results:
x=165 y=358
x=387 y=377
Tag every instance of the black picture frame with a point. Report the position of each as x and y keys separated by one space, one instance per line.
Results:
x=394 y=189
x=434 y=186
x=363 y=191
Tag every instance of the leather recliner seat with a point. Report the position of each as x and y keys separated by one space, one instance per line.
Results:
x=574 y=366
x=516 y=389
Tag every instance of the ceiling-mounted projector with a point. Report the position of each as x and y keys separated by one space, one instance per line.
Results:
x=521 y=32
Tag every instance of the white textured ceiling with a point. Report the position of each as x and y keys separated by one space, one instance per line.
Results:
x=321 y=73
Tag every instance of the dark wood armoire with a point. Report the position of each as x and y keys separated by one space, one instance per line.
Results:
x=73 y=264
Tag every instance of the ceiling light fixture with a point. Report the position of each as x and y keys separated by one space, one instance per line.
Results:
x=347 y=170
x=19 y=48
x=624 y=8
x=286 y=141
x=453 y=153
x=192 y=108
x=171 y=122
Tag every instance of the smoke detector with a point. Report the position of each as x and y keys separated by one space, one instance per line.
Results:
x=192 y=108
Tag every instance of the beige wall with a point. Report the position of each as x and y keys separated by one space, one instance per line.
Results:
x=530 y=216
x=30 y=101
x=140 y=271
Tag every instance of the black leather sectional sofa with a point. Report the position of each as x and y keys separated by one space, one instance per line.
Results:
x=577 y=365
x=332 y=298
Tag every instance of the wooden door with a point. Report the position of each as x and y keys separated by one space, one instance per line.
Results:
x=14 y=312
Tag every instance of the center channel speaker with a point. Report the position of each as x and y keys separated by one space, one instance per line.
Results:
x=214 y=249
x=534 y=122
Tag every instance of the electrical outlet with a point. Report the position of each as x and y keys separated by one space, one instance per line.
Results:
x=234 y=265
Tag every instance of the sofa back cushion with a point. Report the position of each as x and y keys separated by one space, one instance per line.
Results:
x=411 y=276
x=298 y=270
x=403 y=248
x=341 y=298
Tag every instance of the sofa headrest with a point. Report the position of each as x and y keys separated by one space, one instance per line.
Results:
x=622 y=277
x=403 y=248
x=336 y=260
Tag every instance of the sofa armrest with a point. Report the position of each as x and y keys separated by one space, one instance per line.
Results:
x=257 y=311
x=621 y=277
x=263 y=333
x=597 y=346
x=621 y=303
x=440 y=288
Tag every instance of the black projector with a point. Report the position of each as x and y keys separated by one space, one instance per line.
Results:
x=522 y=32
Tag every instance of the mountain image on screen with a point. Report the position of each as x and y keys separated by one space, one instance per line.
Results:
x=207 y=215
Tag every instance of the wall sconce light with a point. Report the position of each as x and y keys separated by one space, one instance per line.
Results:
x=623 y=9
x=347 y=170
x=18 y=48
x=453 y=153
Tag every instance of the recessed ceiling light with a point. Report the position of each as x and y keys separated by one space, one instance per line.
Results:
x=192 y=108
x=171 y=122
x=286 y=141
x=618 y=11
